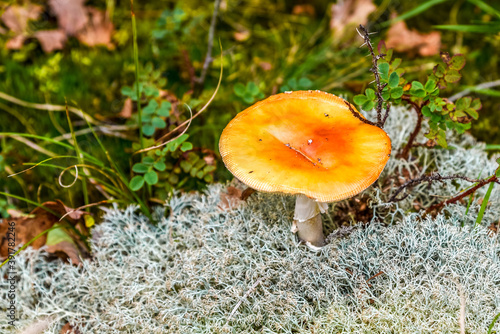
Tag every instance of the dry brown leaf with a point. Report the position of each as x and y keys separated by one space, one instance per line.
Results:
x=127 y=109
x=68 y=329
x=230 y=199
x=15 y=43
x=71 y=15
x=98 y=30
x=402 y=39
x=349 y=13
x=51 y=40
x=64 y=250
x=39 y=220
x=16 y=17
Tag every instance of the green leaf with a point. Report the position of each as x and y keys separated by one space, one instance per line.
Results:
x=472 y=113
x=463 y=103
x=452 y=76
x=418 y=92
x=476 y=104
x=393 y=80
x=158 y=123
x=186 y=166
x=186 y=146
x=293 y=83
x=305 y=83
x=151 y=178
x=457 y=62
x=160 y=166
x=360 y=99
x=388 y=54
x=151 y=107
x=385 y=95
x=430 y=85
x=383 y=69
x=370 y=93
x=148 y=161
x=58 y=235
x=368 y=105
x=148 y=129
x=136 y=183
x=439 y=70
x=140 y=168
x=397 y=92
x=426 y=111
x=441 y=139
x=395 y=63
x=416 y=85
x=164 y=109
x=248 y=98
x=239 y=89
x=252 y=88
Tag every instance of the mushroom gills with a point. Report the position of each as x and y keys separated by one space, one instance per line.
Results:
x=307 y=220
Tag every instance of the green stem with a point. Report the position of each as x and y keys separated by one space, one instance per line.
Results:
x=136 y=61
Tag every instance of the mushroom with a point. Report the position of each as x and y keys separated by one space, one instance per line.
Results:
x=309 y=144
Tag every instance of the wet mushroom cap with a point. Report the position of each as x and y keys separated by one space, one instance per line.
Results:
x=304 y=142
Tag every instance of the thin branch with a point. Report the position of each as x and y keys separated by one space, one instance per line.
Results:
x=426 y=178
x=387 y=109
x=358 y=116
x=484 y=85
x=375 y=58
x=211 y=32
x=480 y=184
x=406 y=150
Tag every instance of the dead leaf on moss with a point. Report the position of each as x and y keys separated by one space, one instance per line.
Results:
x=402 y=39
x=304 y=9
x=39 y=220
x=126 y=111
x=230 y=199
x=350 y=13
x=15 y=43
x=98 y=30
x=51 y=40
x=16 y=17
x=71 y=15
x=68 y=329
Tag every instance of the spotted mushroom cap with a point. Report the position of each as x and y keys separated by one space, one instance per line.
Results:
x=304 y=142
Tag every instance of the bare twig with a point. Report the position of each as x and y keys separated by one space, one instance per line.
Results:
x=406 y=150
x=211 y=32
x=252 y=288
x=380 y=86
x=357 y=115
x=480 y=184
x=429 y=179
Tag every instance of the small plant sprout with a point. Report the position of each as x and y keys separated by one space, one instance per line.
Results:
x=309 y=144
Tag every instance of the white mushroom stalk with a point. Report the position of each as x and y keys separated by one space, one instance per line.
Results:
x=307 y=221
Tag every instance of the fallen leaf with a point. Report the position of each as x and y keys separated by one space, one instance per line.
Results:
x=266 y=66
x=402 y=39
x=98 y=30
x=39 y=220
x=15 y=43
x=51 y=40
x=71 y=15
x=349 y=13
x=127 y=109
x=230 y=199
x=241 y=36
x=60 y=243
x=16 y=17
x=68 y=329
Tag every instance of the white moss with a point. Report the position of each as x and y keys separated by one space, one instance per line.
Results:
x=189 y=273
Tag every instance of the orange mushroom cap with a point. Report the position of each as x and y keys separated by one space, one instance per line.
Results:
x=304 y=142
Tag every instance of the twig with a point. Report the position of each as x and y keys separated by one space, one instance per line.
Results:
x=375 y=58
x=211 y=32
x=406 y=150
x=484 y=85
x=252 y=288
x=387 y=109
x=480 y=184
x=426 y=178
x=357 y=115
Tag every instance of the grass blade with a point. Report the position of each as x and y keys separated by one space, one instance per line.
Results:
x=484 y=204
x=490 y=328
x=415 y=11
x=136 y=61
x=473 y=28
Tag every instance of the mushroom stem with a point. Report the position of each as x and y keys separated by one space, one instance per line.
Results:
x=307 y=220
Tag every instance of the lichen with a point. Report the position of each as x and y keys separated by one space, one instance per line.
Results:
x=204 y=269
